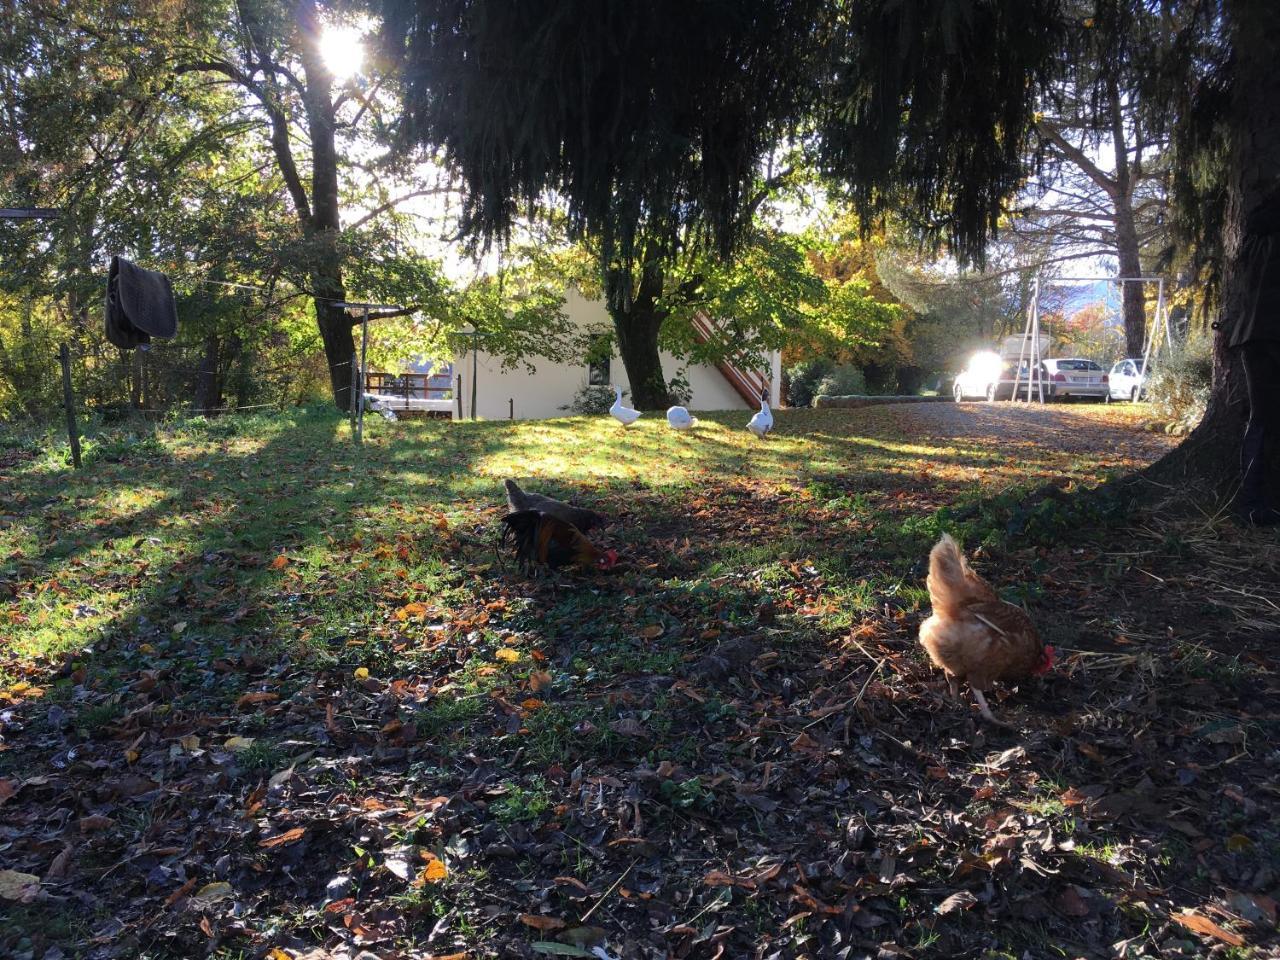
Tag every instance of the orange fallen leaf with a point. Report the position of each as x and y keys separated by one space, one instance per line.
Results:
x=433 y=872
x=255 y=697
x=539 y=680
x=280 y=562
x=289 y=836
x=539 y=922
x=1206 y=927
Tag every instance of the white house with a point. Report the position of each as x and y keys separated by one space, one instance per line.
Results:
x=550 y=387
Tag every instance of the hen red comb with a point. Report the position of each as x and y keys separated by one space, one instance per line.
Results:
x=1046 y=660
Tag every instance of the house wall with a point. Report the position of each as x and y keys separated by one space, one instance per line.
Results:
x=541 y=394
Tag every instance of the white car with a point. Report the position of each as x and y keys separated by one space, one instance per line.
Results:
x=1128 y=380
x=1075 y=377
x=989 y=377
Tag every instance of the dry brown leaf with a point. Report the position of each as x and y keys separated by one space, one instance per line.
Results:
x=652 y=632
x=7 y=789
x=1207 y=928
x=962 y=899
x=540 y=922
x=94 y=823
x=280 y=562
x=289 y=836
x=539 y=680
x=255 y=697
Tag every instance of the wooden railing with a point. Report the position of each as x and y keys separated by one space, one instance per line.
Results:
x=749 y=384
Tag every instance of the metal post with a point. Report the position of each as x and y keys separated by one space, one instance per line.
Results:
x=364 y=347
x=351 y=397
x=511 y=408
x=459 y=396
x=475 y=348
x=73 y=434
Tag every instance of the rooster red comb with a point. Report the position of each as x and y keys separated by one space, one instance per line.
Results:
x=608 y=560
x=1046 y=660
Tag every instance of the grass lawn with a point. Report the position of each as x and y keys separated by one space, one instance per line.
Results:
x=263 y=694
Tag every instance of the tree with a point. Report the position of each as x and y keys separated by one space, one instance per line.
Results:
x=652 y=121
x=1102 y=184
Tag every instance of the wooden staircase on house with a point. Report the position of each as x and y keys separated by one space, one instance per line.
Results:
x=747 y=383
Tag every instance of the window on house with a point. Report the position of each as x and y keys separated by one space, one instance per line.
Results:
x=598 y=363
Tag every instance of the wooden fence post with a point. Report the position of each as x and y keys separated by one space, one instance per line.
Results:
x=68 y=400
x=459 y=396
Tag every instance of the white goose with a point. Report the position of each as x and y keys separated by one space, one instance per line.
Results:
x=762 y=422
x=678 y=418
x=624 y=415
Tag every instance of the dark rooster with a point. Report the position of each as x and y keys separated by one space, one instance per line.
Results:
x=584 y=520
x=543 y=540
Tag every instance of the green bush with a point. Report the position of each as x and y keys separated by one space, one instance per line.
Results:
x=1179 y=384
x=589 y=400
x=803 y=380
x=842 y=381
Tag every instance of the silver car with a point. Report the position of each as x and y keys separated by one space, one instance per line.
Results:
x=1076 y=377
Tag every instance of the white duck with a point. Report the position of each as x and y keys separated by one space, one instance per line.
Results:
x=678 y=418
x=762 y=422
x=624 y=415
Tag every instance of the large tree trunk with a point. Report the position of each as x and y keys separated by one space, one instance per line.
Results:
x=1209 y=460
x=637 y=319
x=1133 y=296
x=1133 y=299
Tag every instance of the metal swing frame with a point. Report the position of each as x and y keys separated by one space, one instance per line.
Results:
x=1031 y=355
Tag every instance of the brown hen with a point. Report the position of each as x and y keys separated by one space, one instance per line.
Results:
x=973 y=635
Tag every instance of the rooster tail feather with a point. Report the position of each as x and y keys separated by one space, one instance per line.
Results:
x=951 y=579
x=520 y=530
x=515 y=496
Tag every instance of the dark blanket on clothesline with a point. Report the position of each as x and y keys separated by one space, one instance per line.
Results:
x=140 y=305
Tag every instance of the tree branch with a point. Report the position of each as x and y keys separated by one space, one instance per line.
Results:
x=1078 y=157
x=391 y=204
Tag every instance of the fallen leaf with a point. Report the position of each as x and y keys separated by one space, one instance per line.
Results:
x=7 y=789
x=362 y=673
x=18 y=886
x=433 y=872
x=255 y=697
x=94 y=823
x=58 y=868
x=1071 y=904
x=559 y=949
x=962 y=899
x=506 y=654
x=238 y=744
x=181 y=892
x=280 y=562
x=652 y=632
x=540 y=922
x=275 y=953
x=190 y=742
x=211 y=893
x=539 y=680
x=289 y=836
x=1207 y=928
